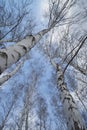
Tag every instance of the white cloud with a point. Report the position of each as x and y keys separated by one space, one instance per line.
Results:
x=44 y=6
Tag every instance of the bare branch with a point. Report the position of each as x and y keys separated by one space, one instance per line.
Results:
x=18 y=22
x=13 y=23
x=81 y=44
x=59 y=11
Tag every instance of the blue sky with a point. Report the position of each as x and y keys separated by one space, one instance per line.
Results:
x=38 y=9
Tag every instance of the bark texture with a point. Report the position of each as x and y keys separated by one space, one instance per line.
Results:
x=73 y=117
x=12 y=54
x=7 y=76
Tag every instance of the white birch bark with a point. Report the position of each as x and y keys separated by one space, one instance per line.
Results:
x=12 y=54
x=5 y=77
x=73 y=117
x=72 y=114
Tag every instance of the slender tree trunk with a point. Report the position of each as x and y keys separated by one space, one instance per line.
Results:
x=44 y=122
x=73 y=117
x=26 y=121
x=40 y=123
x=12 y=54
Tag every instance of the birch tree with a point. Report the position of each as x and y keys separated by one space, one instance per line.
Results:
x=73 y=117
x=12 y=54
x=74 y=120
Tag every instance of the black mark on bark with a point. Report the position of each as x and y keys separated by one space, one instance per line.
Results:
x=24 y=48
x=19 y=55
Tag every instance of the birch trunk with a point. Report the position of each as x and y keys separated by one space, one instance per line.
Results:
x=12 y=54
x=4 y=78
x=73 y=117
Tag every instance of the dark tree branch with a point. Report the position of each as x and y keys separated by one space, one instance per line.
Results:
x=82 y=43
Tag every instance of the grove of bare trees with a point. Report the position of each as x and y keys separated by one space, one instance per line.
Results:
x=17 y=39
